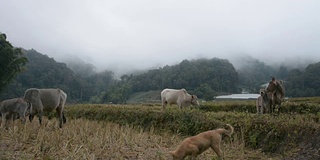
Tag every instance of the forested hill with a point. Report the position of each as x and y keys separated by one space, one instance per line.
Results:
x=210 y=76
x=204 y=77
x=42 y=72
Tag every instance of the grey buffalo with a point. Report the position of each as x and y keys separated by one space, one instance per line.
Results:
x=46 y=100
x=14 y=108
x=180 y=97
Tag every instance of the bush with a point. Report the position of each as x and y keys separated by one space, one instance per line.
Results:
x=271 y=133
x=298 y=106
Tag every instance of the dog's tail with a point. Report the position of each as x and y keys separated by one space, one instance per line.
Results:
x=229 y=131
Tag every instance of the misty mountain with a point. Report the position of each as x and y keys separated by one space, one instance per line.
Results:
x=42 y=72
x=80 y=67
x=242 y=63
x=204 y=77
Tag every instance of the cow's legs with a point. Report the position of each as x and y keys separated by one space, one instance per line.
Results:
x=15 y=116
x=180 y=106
x=265 y=109
x=164 y=105
x=64 y=118
x=23 y=118
x=61 y=116
x=40 y=116
x=9 y=119
x=273 y=105
x=3 y=119
x=6 y=119
x=31 y=117
x=260 y=109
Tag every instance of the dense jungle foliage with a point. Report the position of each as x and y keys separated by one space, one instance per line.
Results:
x=204 y=77
x=11 y=62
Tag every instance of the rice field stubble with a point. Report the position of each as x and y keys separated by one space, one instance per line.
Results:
x=88 y=139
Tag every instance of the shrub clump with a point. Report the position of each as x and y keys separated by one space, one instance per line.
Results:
x=271 y=133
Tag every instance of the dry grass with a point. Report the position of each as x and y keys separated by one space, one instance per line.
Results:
x=84 y=139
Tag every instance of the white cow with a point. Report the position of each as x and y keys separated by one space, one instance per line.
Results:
x=14 y=108
x=46 y=100
x=180 y=97
x=262 y=102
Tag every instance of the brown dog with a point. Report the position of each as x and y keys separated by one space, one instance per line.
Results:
x=195 y=145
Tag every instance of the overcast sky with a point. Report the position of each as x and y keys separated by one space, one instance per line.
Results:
x=137 y=34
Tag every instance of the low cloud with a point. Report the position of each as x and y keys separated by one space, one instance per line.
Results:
x=133 y=35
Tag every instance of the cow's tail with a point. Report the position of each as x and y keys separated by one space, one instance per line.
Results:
x=281 y=89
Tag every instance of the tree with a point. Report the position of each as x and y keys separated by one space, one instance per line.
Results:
x=295 y=85
x=219 y=75
x=282 y=73
x=205 y=91
x=11 y=62
x=254 y=73
x=311 y=78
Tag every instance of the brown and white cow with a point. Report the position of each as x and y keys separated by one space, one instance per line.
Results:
x=180 y=97
x=276 y=94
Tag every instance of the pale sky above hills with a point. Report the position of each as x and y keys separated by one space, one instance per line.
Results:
x=125 y=35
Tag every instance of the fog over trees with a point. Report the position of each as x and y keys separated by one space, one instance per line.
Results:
x=205 y=77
